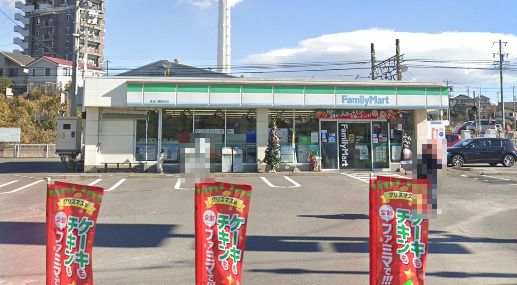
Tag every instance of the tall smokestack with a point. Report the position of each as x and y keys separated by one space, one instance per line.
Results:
x=224 y=50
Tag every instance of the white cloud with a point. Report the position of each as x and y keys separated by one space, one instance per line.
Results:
x=353 y=46
x=204 y=3
x=7 y=4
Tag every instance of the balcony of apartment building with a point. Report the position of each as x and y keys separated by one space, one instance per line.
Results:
x=47 y=24
x=93 y=51
x=21 y=43
x=21 y=5
x=20 y=30
x=95 y=39
x=21 y=18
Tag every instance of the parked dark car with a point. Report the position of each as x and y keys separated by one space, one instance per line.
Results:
x=452 y=139
x=482 y=150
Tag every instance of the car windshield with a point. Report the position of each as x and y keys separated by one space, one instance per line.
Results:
x=463 y=143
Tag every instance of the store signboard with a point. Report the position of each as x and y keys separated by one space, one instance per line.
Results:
x=366 y=101
x=281 y=95
x=10 y=135
x=343 y=146
x=358 y=114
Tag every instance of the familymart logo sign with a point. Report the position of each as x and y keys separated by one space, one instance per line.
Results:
x=366 y=100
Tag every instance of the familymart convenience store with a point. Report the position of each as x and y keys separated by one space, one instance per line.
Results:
x=351 y=125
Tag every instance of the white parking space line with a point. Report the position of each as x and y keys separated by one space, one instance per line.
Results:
x=268 y=183
x=505 y=179
x=95 y=182
x=360 y=178
x=116 y=185
x=23 y=187
x=296 y=184
x=463 y=175
x=177 y=186
x=365 y=176
x=8 y=183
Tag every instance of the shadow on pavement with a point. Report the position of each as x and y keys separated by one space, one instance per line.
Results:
x=338 y=216
x=153 y=235
x=31 y=166
x=445 y=274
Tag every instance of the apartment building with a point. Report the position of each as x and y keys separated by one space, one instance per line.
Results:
x=48 y=28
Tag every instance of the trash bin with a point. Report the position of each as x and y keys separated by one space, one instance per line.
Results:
x=232 y=159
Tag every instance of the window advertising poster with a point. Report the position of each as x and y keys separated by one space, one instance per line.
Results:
x=283 y=133
x=286 y=153
x=324 y=136
x=398 y=234
x=221 y=218
x=72 y=211
x=314 y=137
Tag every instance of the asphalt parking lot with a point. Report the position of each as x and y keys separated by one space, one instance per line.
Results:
x=302 y=229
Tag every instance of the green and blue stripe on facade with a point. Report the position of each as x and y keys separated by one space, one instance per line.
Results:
x=302 y=96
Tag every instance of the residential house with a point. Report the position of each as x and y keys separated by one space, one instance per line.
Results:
x=14 y=66
x=51 y=74
x=509 y=111
x=462 y=104
x=165 y=68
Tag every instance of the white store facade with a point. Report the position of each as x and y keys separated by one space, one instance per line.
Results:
x=351 y=125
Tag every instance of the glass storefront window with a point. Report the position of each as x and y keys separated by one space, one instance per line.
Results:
x=306 y=134
x=176 y=133
x=328 y=135
x=147 y=138
x=241 y=132
x=209 y=123
x=284 y=123
x=380 y=144
x=403 y=126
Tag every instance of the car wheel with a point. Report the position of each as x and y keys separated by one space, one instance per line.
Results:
x=493 y=164
x=457 y=160
x=508 y=160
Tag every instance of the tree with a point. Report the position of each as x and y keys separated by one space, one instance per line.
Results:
x=272 y=158
x=36 y=118
x=5 y=83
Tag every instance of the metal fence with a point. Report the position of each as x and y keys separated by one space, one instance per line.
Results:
x=28 y=151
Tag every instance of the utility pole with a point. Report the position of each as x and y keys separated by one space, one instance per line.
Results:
x=501 y=56
x=389 y=69
x=514 y=115
x=85 y=51
x=449 y=89
x=397 y=55
x=75 y=56
x=107 y=67
x=372 y=58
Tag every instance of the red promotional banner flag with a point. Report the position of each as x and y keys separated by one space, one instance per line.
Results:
x=398 y=235
x=72 y=211
x=221 y=219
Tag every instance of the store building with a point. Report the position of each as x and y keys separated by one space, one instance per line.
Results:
x=351 y=125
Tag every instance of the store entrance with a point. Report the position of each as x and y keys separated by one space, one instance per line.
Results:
x=354 y=145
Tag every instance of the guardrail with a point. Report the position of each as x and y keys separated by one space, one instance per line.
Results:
x=28 y=151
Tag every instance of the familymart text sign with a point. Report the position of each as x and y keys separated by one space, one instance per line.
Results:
x=367 y=100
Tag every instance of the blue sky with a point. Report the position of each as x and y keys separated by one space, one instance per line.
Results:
x=274 y=32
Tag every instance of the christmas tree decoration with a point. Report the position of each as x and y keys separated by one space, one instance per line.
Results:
x=272 y=158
